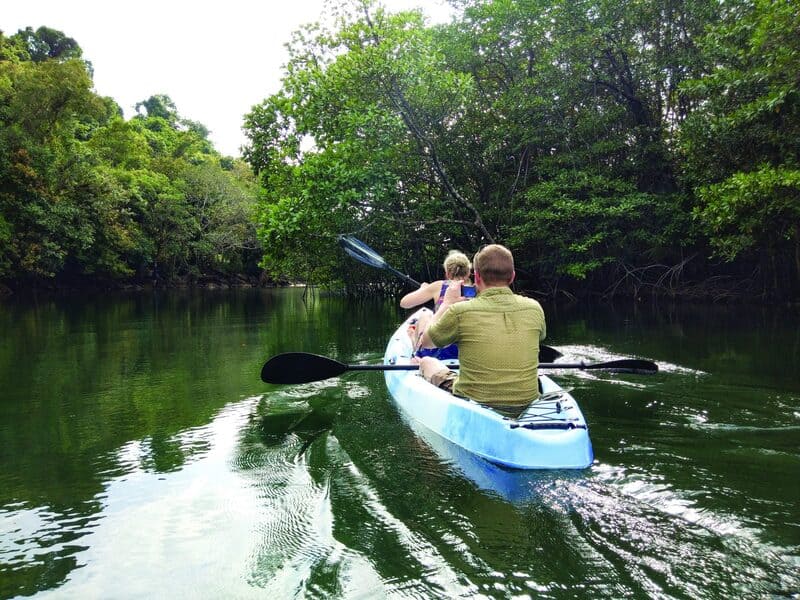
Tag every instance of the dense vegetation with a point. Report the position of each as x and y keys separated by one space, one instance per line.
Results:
x=617 y=147
x=88 y=197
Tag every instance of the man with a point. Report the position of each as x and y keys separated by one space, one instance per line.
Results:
x=497 y=333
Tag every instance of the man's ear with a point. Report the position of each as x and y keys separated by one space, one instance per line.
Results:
x=513 y=275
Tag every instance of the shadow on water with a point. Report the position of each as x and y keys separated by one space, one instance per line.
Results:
x=306 y=423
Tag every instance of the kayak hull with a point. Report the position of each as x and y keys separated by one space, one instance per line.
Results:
x=550 y=434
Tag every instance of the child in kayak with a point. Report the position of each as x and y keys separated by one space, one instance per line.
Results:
x=457 y=269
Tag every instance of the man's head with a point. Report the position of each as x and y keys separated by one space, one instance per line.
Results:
x=494 y=266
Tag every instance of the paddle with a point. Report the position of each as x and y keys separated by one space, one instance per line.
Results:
x=363 y=253
x=302 y=367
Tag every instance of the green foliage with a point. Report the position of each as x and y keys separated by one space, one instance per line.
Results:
x=43 y=106
x=593 y=137
x=736 y=210
x=531 y=123
x=13 y=49
x=580 y=221
x=121 y=144
x=84 y=193
x=362 y=163
x=158 y=106
x=742 y=150
x=221 y=203
x=586 y=135
x=46 y=43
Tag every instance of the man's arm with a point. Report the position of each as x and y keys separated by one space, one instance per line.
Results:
x=425 y=341
x=451 y=296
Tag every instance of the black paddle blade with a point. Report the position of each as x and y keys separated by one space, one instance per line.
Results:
x=638 y=367
x=627 y=365
x=623 y=365
x=548 y=354
x=300 y=367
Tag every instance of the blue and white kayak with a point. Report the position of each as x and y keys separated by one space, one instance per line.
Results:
x=550 y=434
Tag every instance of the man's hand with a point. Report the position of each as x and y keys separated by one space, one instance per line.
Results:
x=452 y=295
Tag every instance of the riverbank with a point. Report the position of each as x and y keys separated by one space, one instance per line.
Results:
x=86 y=285
x=711 y=292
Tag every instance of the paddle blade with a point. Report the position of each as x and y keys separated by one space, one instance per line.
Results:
x=300 y=367
x=361 y=252
x=628 y=365
x=624 y=365
x=548 y=354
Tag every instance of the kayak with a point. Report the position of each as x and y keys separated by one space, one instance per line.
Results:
x=550 y=434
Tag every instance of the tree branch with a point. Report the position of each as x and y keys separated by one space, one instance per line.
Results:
x=425 y=144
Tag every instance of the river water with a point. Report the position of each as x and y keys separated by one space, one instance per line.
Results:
x=142 y=457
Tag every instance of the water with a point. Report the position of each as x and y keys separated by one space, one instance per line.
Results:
x=141 y=457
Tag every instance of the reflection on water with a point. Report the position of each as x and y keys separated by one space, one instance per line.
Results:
x=141 y=457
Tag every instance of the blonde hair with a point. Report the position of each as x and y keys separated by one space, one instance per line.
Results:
x=495 y=264
x=457 y=265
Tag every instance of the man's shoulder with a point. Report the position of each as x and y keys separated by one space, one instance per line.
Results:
x=497 y=301
x=528 y=302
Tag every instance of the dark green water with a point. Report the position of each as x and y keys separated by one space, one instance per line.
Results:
x=141 y=457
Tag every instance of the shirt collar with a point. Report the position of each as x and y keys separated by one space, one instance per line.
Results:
x=496 y=291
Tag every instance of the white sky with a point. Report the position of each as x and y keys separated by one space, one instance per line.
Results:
x=215 y=60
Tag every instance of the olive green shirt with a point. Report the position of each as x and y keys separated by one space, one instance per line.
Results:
x=498 y=336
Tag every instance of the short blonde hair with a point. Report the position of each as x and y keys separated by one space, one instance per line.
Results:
x=457 y=265
x=495 y=264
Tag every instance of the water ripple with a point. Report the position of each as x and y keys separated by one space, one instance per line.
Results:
x=33 y=539
x=591 y=353
x=658 y=538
